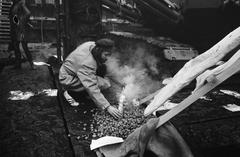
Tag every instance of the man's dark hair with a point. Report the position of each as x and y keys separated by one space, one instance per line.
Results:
x=105 y=43
x=101 y=46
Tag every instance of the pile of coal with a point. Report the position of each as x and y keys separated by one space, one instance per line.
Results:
x=105 y=125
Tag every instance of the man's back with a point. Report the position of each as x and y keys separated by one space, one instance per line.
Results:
x=81 y=55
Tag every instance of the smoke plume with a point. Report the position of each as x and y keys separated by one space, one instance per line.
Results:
x=134 y=69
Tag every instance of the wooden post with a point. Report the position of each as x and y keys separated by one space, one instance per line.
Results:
x=58 y=39
x=194 y=68
x=231 y=67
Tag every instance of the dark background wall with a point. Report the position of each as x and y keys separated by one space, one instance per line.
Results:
x=205 y=22
x=43 y=19
x=84 y=20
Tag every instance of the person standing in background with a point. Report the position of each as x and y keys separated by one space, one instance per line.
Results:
x=19 y=18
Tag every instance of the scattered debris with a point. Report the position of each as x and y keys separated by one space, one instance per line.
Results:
x=232 y=93
x=19 y=95
x=205 y=98
x=232 y=107
x=167 y=106
x=50 y=92
x=107 y=140
x=40 y=63
x=180 y=53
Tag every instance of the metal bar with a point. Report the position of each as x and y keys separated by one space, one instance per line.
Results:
x=4 y=26
x=4 y=33
x=5 y=23
x=5 y=30
x=66 y=44
x=5 y=37
x=6 y=3
x=58 y=39
x=4 y=20
x=4 y=41
x=100 y=16
x=4 y=12
x=4 y=17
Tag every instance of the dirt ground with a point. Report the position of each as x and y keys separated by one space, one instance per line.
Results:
x=31 y=127
x=208 y=128
x=37 y=126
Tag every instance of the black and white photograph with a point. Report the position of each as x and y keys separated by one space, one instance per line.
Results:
x=119 y=78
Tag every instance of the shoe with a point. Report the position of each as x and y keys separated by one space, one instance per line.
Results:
x=70 y=100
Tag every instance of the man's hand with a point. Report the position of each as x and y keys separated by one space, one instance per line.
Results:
x=114 y=112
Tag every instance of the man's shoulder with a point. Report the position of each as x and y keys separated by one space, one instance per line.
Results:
x=89 y=61
x=86 y=45
x=82 y=56
x=84 y=48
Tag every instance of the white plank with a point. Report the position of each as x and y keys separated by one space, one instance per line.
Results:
x=194 y=68
x=232 y=67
